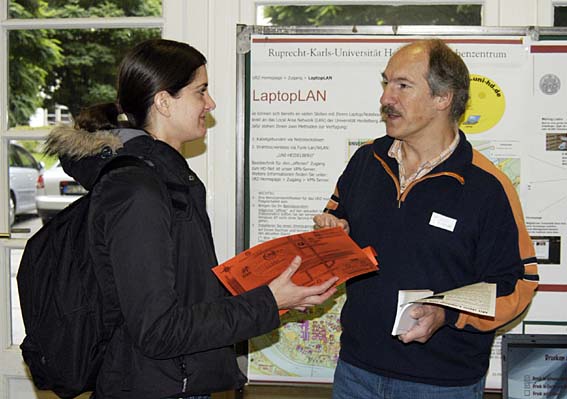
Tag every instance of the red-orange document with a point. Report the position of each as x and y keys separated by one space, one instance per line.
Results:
x=325 y=253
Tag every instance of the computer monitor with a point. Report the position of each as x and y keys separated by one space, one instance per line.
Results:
x=534 y=366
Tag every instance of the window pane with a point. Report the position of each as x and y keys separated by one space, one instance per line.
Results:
x=27 y=160
x=26 y=169
x=83 y=8
x=39 y=188
x=55 y=73
x=17 y=322
x=370 y=15
x=560 y=16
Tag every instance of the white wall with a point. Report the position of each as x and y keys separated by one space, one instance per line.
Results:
x=210 y=25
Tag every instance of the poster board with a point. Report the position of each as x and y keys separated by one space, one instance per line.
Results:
x=308 y=98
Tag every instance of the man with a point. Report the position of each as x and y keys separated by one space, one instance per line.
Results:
x=440 y=216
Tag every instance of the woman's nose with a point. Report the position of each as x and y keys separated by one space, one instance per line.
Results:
x=211 y=105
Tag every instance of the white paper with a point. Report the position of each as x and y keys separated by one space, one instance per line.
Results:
x=404 y=322
x=479 y=298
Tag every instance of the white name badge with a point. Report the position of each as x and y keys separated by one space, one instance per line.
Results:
x=442 y=221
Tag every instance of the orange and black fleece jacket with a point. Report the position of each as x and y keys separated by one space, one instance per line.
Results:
x=460 y=224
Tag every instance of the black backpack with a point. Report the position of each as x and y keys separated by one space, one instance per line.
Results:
x=67 y=330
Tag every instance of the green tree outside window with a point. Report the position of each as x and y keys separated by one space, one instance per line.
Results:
x=75 y=68
x=351 y=15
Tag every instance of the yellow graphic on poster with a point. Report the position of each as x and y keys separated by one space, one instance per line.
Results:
x=485 y=107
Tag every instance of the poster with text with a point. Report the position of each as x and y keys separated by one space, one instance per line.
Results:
x=315 y=99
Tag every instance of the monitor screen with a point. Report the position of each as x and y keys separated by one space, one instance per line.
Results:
x=534 y=366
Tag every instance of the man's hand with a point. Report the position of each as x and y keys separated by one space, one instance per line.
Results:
x=430 y=318
x=324 y=220
x=288 y=295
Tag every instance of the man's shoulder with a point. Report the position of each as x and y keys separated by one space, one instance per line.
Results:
x=486 y=169
x=384 y=140
x=486 y=180
x=379 y=146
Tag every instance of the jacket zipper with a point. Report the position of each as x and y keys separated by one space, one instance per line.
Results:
x=456 y=176
x=183 y=368
x=402 y=196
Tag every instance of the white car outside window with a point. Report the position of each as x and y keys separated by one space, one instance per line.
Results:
x=58 y=191
x=24 y=172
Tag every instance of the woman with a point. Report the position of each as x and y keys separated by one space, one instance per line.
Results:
x=151 y=235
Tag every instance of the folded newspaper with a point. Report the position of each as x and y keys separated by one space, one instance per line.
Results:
x=479 y=298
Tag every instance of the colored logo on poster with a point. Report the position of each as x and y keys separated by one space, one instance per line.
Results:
x=549 y=84
x=485 y=107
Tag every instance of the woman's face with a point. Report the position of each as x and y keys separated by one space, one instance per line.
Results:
x=187 y=111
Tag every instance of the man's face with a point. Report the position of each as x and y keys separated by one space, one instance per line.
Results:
x=408 y=108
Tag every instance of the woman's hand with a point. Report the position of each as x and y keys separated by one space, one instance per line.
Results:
x=291 y=296
x=327 y=220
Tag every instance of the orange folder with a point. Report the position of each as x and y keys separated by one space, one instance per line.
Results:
x=325 y=253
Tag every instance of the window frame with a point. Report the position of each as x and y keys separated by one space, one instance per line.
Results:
x=263 y=3
x=7 y=242
x=172 y=23
x=555 y=4
x=8 y=25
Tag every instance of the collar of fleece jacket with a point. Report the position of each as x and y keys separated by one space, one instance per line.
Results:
x=458 y=162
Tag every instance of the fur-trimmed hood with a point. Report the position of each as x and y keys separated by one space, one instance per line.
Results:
x=83 y=154
x=65 y=141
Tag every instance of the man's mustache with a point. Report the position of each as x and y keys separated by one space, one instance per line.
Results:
x=388 y=110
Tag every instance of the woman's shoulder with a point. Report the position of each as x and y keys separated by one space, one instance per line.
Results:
x=130 y=183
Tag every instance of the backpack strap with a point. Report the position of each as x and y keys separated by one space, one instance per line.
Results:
x=117 y=163
x=122 y=161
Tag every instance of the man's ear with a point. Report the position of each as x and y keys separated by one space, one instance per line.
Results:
x=444 y=100
x=161 y=102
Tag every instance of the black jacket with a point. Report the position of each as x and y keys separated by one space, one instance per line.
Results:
x=151 y=238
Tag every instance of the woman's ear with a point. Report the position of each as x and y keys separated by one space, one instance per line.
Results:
x=161 y=102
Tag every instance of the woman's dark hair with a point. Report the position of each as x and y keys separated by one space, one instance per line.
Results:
x=448 y=72
x=150 y=67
